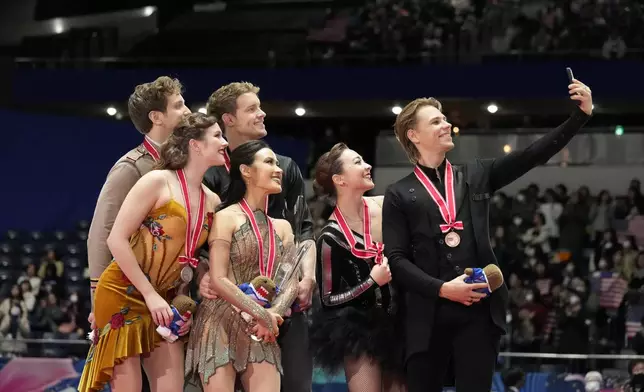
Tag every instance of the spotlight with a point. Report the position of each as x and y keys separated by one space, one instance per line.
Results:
x=396 y=110
x=59 y=26
x=507 y=149
x=202 y=110
x=492 y=108
x=300 y=111
x=149 y=10
x=111 y=111
x=456 y=130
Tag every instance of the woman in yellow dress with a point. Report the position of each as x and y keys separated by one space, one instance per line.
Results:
x=166 y=216
x=244 y=245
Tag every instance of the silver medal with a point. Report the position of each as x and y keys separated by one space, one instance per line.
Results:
x=187 y=274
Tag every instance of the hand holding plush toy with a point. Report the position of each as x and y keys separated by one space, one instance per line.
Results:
x=491 y=275
x=182 y=309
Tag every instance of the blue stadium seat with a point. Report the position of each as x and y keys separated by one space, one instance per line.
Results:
x=81 y=235
x=6 y=248
x=6 y=262
x=73 y=262
x=25 y=260
x=59 y=235
x=74 y=276
x=36 y=236
x=83 y=225
x=49 y=246
x=13 y=235
x=73 y=249
x=29 y=249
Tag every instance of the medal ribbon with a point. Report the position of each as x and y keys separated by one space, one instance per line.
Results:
x=151 y=148
x=227 y=161
x=372 y=249
x=264 y=269
x=192 y=233
x=446 y=208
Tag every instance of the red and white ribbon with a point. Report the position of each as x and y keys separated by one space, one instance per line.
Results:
x=371 y=248
x=227 y=161
x=265 y=269
x=192 y=232
x=151 y=148
x=447 y=207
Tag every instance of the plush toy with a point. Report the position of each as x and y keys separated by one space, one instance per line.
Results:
x=491 y=275
x=182 y=309
x=261 y=289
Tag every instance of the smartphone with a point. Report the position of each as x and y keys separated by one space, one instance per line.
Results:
x=570 y=75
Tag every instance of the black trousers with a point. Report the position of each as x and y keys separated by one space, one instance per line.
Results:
x=297 y=360
x=463 y=336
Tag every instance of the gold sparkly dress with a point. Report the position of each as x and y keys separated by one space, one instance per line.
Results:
x=219 y=335
x=124 y=322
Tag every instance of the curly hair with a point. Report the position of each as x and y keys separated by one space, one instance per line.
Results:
x=175 y=151
x=148 y=97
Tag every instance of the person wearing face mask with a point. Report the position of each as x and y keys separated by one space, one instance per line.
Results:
x=354 y=330
x=636 y=371
x=238 y=108
x=435 y=224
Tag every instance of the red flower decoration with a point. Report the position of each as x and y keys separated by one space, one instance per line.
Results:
x=117 y=321
x=126 y=280
x=210 y=217
x=97 y=332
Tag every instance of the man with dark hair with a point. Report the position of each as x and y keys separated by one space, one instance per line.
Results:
x=155 y=108
x=237 y=106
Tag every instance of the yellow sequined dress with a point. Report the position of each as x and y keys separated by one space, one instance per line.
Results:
x=124 y=322
x=219 y=335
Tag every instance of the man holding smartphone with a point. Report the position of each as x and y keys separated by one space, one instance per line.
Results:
x=435 y=225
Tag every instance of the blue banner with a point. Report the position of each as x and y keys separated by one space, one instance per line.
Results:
x=609 y=79
x=55 y=166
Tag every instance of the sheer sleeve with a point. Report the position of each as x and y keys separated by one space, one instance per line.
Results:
x=330 y=258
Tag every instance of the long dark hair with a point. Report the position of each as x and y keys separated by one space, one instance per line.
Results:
x=242 y=155
x=175 y=151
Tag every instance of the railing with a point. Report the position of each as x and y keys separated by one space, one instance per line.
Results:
x=288 y=60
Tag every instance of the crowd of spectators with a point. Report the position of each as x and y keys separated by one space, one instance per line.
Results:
x=444 y=30
x=44 y=292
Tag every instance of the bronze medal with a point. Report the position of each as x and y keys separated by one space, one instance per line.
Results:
x=452 y=239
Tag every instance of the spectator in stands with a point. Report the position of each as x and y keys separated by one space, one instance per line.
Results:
x=602 y=213
x=15 y=299
x=537 y=236
x=637 y=343
x=28 y=295
x=14 y=323
x=30 y=276
x=572 y=223
x=51 y=259
x=551 y=210
x=514 y=379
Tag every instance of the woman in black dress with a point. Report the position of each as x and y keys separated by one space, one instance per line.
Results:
x=354 y=329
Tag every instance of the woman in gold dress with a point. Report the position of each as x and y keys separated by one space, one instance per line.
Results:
x=165 y=217
x=220 y=345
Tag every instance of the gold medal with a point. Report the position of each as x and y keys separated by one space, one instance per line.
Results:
x=452 y=239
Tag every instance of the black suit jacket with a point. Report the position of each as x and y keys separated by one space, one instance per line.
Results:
x=410 y=241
